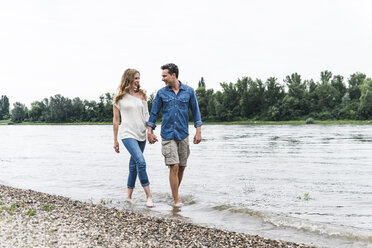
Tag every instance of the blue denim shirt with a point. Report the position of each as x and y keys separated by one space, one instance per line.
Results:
x=175 y=124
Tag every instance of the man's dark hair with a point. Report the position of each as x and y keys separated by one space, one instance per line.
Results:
x=172 y=68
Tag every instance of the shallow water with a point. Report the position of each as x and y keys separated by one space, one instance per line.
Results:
x=309 y=184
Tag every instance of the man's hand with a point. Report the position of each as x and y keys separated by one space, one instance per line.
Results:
x=152 y=138
x=116 y=146
x=197 y=137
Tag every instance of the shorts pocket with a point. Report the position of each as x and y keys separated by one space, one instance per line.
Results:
x=166 y=148
x=184 y=148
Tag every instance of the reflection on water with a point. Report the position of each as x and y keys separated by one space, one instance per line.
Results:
x=310 y=184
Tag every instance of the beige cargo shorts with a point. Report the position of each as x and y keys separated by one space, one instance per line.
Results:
x=175 y=151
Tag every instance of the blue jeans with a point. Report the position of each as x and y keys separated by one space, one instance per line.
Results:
x=137 y=163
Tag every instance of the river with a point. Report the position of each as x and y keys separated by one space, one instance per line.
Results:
x=309 y=184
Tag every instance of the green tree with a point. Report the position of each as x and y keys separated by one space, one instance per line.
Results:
x=312 y=96
x=274 y=92
x=338 y=83
x=230 y=101
x=150 y=101
x=296 y=103
x=37 y=111
x=60 y=109
x=222 y=113
x=295 y=86
x=90 y=113
x=355 y=81
x=365 y=107
x=251 y=95
x=201 y=94
x=325 y=76
x=327 y=96
x=100 y=109
x=211 y=108
x=201 y=83
x=4 y=107
x=108 y=106
x=77 y=109
x=18 y=112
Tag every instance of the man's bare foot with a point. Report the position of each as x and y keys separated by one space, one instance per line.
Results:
x=178 y=204
x=129 y=200
x=149 y=202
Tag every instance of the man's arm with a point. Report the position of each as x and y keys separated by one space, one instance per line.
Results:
x=196 y=116
x=154 y=113
x=151 y=137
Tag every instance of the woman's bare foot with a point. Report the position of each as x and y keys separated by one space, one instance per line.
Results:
x=149 y=202
x=129 y=195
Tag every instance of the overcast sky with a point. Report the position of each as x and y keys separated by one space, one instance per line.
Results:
x=81 y=48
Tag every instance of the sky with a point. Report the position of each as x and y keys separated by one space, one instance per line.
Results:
x=80 y=48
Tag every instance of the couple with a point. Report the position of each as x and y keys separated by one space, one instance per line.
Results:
x=174 y=99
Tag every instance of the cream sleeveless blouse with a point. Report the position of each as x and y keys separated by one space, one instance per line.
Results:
x=134 y=115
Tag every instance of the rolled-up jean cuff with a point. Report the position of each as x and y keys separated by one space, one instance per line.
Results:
x=146 y=184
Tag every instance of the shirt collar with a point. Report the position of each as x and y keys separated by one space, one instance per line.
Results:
x=182 y=86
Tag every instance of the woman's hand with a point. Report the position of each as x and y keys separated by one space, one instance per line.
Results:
x=116 y=146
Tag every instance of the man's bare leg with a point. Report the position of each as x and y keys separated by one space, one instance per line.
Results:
x=174 y=181
x=180 y=174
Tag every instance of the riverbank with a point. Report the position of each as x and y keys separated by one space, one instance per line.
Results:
x=247 y=122
x=34 y=219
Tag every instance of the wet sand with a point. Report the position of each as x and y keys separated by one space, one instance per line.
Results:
x=33 y=219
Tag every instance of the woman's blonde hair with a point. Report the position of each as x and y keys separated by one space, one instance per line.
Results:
x=126 y=82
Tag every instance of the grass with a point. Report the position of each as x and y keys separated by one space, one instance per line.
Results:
x=4 y=122
x=8 y=122
x=305 y=197
x=105 y=202
x=48 y=208
x=20 y=205
x=31 y=212
x=297 y=122
x=12 y=208
x=246 y=122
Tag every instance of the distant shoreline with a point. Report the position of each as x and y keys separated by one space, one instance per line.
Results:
x=37 y=219
x=247 y=122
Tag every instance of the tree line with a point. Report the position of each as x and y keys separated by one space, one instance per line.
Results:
x=296 y=99
x=60 y=109
x=332 y=97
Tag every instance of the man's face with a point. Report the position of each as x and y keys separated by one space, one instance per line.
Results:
x=167 y=78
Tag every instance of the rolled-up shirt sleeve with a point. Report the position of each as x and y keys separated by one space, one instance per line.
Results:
x=195 y=110
x=154 y=113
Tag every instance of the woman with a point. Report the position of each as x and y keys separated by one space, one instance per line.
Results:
x=130 y=103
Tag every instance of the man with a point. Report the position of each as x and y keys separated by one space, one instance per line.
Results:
x=174 y=99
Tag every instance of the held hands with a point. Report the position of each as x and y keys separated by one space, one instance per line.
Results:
x=116 y=146
x=152 y=138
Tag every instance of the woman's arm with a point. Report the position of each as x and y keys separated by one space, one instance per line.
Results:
x=115 y=123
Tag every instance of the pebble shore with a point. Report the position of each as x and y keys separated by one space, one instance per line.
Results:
x=33 y=219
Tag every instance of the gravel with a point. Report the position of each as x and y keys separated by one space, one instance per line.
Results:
x=33 y=219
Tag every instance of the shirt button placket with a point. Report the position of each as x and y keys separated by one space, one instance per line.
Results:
x=175 y=116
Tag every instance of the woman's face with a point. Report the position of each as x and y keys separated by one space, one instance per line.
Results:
x=136 y=81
